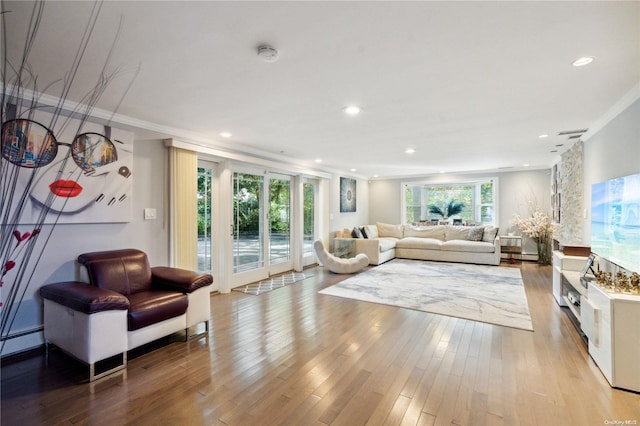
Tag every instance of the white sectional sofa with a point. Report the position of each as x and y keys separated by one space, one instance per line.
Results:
x=382 y=242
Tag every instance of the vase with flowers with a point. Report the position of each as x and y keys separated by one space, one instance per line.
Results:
x=540 y=229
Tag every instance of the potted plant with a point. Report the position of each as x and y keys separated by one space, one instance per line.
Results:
x=451 y=209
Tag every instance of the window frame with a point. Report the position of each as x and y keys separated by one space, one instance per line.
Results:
x=476 y=183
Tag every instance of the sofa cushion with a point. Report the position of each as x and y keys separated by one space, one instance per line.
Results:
x=372 y=231
x=489 y=234
x=419 y=243
x=150 y=307
x=435 y=232
x=455 y=233
x=387 y=230
x=468 y=246
x=386 y=244
x=475 y=233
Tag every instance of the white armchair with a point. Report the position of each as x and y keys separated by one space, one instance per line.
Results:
x=338 y=265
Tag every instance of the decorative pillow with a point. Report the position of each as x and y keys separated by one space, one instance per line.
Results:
x=372 y=231
x=475 y=233
x=386 y=230
x=356 y=233
x=363 y=230
x=489 y=234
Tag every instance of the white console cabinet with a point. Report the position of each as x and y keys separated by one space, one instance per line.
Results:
x=610 y=321
x=615 y=343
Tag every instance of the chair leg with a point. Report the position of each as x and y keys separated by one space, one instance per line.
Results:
x=205 y=332
x=92 y=369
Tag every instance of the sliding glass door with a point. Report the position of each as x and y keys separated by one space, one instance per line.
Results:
x=261 y=226
x=310 y=219
x=279 y=217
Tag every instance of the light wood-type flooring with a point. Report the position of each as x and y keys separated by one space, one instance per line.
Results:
x=295 y=357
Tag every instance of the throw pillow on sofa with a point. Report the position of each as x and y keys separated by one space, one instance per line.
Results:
x=364 y=232
x=476 y=233
x=372 y=231
x=356 y=233
x=489 y=234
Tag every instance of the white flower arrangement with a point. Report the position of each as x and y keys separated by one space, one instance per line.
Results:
x=540 y=229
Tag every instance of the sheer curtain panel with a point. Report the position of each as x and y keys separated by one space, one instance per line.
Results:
x=183 y=190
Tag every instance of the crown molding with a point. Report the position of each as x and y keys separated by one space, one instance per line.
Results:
x=625 y=102
x=198 y=141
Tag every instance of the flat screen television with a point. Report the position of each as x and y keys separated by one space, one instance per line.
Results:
x=615 y=221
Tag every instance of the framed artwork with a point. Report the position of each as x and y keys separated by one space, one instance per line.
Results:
x=347 y=195
x=69 y=177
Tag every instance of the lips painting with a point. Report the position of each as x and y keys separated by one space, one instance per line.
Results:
x=65 y=188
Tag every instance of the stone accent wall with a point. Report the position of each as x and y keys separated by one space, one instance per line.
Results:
x=571 y=190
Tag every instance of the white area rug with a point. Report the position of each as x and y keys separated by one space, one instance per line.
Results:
x=490 y=294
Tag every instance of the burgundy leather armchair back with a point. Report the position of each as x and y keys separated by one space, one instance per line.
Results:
x=125 y=271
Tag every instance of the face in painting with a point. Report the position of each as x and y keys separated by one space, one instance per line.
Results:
x=66 y=177
x=72 y=190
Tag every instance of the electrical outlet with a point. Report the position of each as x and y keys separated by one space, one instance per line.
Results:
x=149 y=213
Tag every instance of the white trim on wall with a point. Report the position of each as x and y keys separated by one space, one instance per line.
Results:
x=625 y=102
x=243 y=158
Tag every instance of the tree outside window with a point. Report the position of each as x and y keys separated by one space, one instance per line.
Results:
x=477 y=199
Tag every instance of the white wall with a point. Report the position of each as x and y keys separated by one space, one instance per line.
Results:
x=612 y=152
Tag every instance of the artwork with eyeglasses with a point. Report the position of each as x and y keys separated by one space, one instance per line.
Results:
x=85 y=180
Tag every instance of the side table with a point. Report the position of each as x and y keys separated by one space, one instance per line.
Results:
x=344 y=248
x=512 y=245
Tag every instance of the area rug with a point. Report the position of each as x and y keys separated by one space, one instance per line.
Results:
x=273 y=283
x=489 y=294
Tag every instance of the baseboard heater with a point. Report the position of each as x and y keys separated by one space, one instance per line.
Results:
x=21 y=333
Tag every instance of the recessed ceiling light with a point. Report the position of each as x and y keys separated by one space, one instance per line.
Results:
x=525 y=165
x=352 y=110
x=409 y=151
x=375 y=176
x=554 y=150
x=225 y=134
x=585 y=60
x=441 y=171
x=318 y=160
x=560 y=144
x=543 y=136
x=353 y=170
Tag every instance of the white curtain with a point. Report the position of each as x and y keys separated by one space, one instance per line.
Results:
x=183 y=218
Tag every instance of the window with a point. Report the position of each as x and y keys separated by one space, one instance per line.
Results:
x=471 y=201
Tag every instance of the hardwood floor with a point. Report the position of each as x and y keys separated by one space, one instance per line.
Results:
x=296 y=357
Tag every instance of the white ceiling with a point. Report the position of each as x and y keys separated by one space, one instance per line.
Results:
x=469 y=85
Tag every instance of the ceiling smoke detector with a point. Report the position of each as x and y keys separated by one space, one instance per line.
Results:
x=267 y=53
